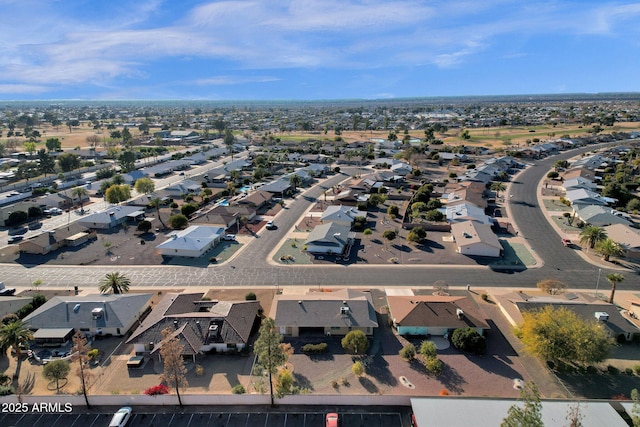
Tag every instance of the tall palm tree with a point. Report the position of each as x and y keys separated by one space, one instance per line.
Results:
x=156 y=202
x=608 y=248
x=614 y=279
x=14 y=334
x=114 y=282
x=80 y=193
x=592 y=235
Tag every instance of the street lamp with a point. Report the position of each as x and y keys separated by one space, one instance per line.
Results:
x=598 y=282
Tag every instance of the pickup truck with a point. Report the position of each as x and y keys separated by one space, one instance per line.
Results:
x=6 y=292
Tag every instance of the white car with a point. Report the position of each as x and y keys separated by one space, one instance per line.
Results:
x=229 y=237
x=121 y=417
x=55 y=211
x=270 y=225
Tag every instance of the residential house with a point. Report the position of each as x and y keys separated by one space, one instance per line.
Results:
x=329 y=238
x=225 y=216
x=192 y=242
x=477 y=176
x=55 y=200
x=130 y=178
x=463 y=210
x=97 y=314
x=350 y=197
x=111 y=218
x=476 y=239
x=579 y=182
x=279 y=187
x=401 y=168
x=11 y=304
x=73 y=235
x=593 y=162
x=628 y=238
x=343 y=215
x=435 y=315
x=317 y=169
x=467 y=191
x=178 y=189
x=324 y=313
x=200 y=326
x=599 y=216
x=257 y=199
x=581 y=197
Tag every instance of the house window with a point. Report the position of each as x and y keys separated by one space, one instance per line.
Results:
x=231 y=345
x=335 y=328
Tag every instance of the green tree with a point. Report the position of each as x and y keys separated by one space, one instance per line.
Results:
x=14 y=335
x=127 y=139
x=608 y=248
x=127 y=161
x=55 y=371
x=355 y=342
x=178 y=221
x=393 y=211
x=357 y=368
x=145 y=186
x=175 y=372
x=408 y=352
x=80 y=193
x=434 y=215
x=116 y=283
x=268 y=350
x=53 y=144
x=428 y=349
x=144 y=226
x=591 y=235
x=614 y=279
x=417 y=235
x=68 y=162
x=46 y=163
x=29 y=147
x=528 y=416
x=635 y=410
x=468 y=340
x=558 y=334
x=118 y=193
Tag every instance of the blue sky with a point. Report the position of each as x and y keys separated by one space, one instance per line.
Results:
x=315 y=49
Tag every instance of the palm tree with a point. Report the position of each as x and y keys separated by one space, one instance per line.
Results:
x=614 y=279
x=592 y=235
x=80 y=193
x=114 y=282
x=608 y=248
x=295 y=180
x=156 y=202
x=14 y=334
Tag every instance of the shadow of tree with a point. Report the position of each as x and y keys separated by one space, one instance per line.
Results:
x=378 y=368
x=302 y=381
x=368 y=385
x=451 y=379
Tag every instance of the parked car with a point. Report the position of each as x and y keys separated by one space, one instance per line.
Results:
x=121 y=417
x=331 y=420
x=15 y=239
x=35 y=225
x=229 y=237
x=6 y=292
x=270 y=225
x=55 y=211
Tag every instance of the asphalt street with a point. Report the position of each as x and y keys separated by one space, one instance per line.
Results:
x=250 y=267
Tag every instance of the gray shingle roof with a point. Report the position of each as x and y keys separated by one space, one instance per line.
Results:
x=61 y=311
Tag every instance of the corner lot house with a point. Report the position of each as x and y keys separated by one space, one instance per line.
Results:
x=324 y=313
x=193 y=242
x=329 y=238
x=434 y=315
x=97 y=314
x=70 y=236
x=627 y=237
x=201 y=326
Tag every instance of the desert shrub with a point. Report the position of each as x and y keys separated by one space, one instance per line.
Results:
x=485 y=297
x=613 y=370
x=357 y=369
x=6 y=390
x=157 y=390
x=238 y=389
x=636 y=369
x=315 y=348
x=428 y=349
x=433 y=365
x=408 y=352
x=592 y=369
x=250 y=296
x=469 y=340
x=628 y=371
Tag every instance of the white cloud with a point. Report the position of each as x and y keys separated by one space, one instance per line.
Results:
x=233 y=80
x=21 y=89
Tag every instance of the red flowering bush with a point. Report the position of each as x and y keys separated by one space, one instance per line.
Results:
x=156 y=390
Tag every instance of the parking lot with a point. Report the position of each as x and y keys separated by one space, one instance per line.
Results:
x=201 y=419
